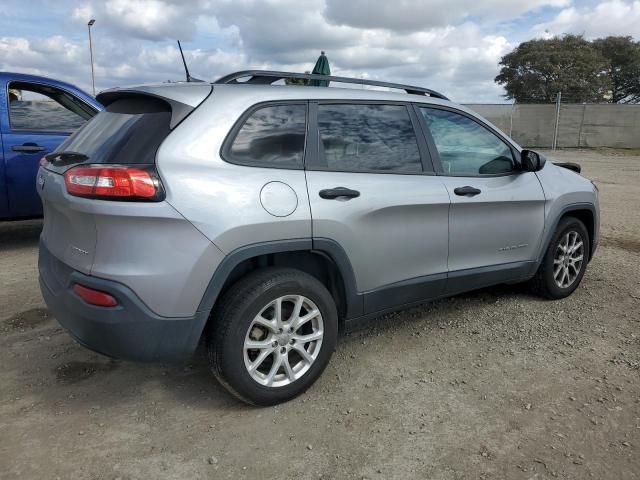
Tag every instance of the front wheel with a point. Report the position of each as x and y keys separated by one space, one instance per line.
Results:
x=272 y=335
x=565 y=261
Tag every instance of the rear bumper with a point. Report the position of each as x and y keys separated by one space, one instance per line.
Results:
x=128 y=331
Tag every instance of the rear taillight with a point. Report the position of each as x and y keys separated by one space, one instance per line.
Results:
x=113 y=183
x=94 y=297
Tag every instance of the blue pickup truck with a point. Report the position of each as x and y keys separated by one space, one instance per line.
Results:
x=36 y=115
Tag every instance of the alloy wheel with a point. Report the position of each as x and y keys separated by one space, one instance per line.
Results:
x=283 y=341
x=568 y=259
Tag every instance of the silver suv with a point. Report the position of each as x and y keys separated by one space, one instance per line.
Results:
x=267 y=218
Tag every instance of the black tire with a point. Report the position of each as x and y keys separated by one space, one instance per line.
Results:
x=233 y=316
x=544 y=283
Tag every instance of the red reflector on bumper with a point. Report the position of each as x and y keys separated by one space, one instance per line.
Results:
x=94 y=297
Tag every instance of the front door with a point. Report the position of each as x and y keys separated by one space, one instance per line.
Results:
x=40 y=118
x=372 y=192
x=497 y=212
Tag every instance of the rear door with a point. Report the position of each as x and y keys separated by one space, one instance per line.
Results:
x=40 y=118
x=372 y=191
x=497 y=212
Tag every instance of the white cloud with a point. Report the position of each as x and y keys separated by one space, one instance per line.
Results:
x=415 y=15
x=149 y=19
x=117 y=62
x=614 y=17
x=36 y=56
x=449 y=45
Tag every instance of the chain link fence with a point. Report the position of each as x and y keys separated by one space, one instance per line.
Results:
x=565 y=125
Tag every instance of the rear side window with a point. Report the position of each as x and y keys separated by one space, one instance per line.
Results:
x=272 y=136
x=129 y=131
x=368 y=138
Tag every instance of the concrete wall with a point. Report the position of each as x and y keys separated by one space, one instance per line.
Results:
x=581 y=125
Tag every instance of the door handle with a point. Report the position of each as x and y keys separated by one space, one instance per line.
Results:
x=467 y=191
x=337 y=192
x=28 y=148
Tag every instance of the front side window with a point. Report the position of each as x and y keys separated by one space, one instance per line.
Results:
x=466 y=147
x=368 y=138
x=36 y=107
x=272 y=136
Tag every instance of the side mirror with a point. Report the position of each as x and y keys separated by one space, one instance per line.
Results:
x=531 y=161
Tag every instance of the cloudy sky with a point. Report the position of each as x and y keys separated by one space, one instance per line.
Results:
x=449 y=45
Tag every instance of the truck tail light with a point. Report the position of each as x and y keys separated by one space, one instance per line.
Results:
x=114 y=183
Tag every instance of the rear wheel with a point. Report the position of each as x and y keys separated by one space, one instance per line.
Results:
x=565 y=261
x=272 y=335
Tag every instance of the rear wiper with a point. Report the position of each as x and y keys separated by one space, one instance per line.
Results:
x=61 y=158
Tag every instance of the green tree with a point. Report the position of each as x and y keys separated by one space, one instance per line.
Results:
x=538 y=69
x=296 y=81
x=622 y=56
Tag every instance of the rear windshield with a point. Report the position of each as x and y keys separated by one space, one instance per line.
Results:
x=129 y=131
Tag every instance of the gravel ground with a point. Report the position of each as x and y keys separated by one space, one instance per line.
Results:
x=493 y=384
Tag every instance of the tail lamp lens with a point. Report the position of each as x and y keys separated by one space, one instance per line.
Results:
x=94 y=297
x=117 y=183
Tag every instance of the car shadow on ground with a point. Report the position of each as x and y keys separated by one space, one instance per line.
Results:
x=433 y=313
x=19 y=233
x=90 y=378
x=80 y=378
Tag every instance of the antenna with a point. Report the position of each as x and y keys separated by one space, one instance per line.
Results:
x=186 y=69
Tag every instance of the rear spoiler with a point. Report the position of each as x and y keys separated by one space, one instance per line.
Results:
x=569 y=166
x=182 y=99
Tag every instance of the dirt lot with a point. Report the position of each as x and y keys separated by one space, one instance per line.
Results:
x=493 y=384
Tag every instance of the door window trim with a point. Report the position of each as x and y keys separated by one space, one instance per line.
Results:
x=225 y=149
x=32 y=131
x=435 y=155
x=316 y=163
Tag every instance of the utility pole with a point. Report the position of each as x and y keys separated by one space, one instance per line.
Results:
x=513 y=106
x=555 y=130
x=93 y=76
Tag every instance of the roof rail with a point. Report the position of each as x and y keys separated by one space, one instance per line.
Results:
x=267 y=77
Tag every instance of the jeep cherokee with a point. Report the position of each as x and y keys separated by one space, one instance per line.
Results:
x=266 y=218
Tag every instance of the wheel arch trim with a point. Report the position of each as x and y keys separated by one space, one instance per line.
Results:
x=573 y=207
x=324 y=246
